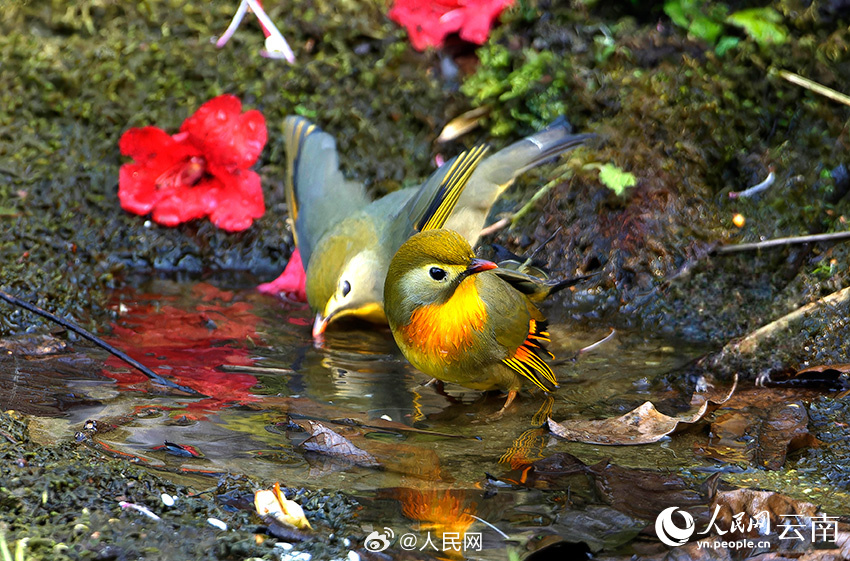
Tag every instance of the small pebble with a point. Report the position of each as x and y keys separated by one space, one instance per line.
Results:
x=167 y=499
x=353 y=556
x=215 y=522
x=296 y=556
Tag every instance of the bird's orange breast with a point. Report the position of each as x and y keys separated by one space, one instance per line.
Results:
x=442 y=332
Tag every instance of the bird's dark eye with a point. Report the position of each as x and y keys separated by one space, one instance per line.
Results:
x=437 y=273
x=345 y=287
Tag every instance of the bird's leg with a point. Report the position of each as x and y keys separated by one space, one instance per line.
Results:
x=511 y=397
x=498 y=414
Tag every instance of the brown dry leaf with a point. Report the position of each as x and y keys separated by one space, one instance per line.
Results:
x=829 y=377
x=781 y=509
x=753 y=502
x=643 y=425
x=325 y=441
x=348 y=444
x=462 y=124
x=762 y=436
x=643 y=493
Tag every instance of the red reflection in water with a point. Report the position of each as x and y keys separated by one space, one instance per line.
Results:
x=188 y=346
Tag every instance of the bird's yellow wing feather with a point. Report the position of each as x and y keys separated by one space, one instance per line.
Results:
x=451 y=186
x=528 y=358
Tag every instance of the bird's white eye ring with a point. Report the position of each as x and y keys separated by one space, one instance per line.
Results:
x=437 y=273
x=345 y=288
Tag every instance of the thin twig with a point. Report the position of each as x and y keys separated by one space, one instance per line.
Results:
x=835 y=236
x=750 y=343
x=504 y=535
x=255 y=369
x=602 y=341
x=536 y=197
x=815 y=87
x=494 y=227
x=97 y=341
x=759 y=187
x=541 y=246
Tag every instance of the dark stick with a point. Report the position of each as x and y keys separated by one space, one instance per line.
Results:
x=97 y=341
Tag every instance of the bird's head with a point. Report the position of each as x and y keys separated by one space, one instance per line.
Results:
x=426 y=270
x=344 y=280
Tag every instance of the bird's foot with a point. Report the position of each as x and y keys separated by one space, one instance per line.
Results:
x=498 y=414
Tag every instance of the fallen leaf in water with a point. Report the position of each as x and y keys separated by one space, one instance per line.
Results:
x=324 y=441
x=273 y=503
x=643 y=425
x=640 y=493
x=551 y=472
x=762 y=436
x=829 y=377
x=643 y=493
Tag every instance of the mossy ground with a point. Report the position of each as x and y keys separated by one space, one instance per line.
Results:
x=64 y=500
x=690 y=124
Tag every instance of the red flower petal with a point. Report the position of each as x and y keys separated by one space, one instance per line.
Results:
x=428 y=22
x=156 y=155
x=202 y=170
x=239 y=202
x=153 y=146
x=293 y=280
x=225 y=135
x=479 y=17
x=187 y=203
x=137 y=188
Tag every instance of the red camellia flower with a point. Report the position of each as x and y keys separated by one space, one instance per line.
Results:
x=204 y=170
x=429 y=21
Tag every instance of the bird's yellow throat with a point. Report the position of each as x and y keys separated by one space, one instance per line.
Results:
x=446 y=330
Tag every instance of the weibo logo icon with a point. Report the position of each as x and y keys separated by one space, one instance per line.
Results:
x=667 y=530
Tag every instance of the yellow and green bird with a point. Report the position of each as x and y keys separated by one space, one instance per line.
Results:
x=347 y=241
x=464 y=320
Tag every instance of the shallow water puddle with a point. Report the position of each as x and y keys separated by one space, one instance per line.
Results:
x=433 y=457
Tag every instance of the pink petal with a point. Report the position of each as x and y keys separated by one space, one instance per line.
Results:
x=292 y=281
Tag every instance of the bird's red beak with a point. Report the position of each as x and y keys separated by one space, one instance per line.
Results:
x=479 y=265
